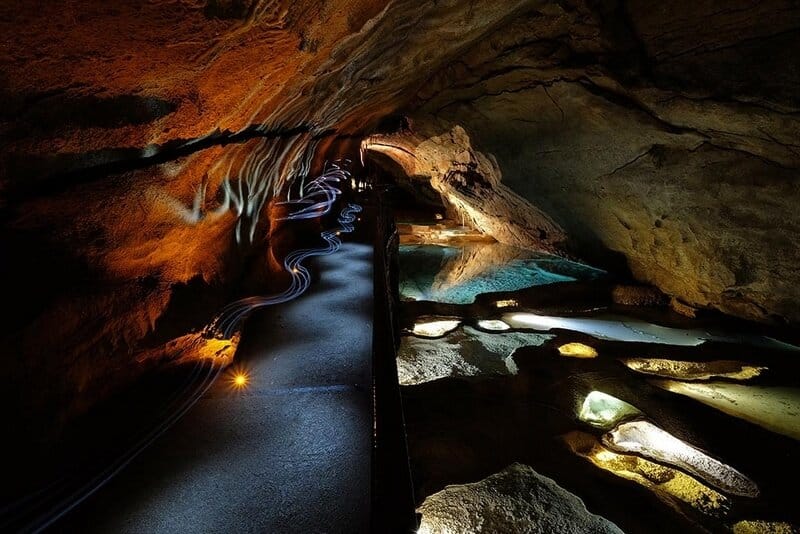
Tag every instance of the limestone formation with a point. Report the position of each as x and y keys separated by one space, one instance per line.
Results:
x=517 y=499
x=464 y=353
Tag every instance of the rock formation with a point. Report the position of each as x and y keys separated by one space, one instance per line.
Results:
x=638 y=132
x=517 y=499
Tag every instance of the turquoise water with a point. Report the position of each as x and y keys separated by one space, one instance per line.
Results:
x=456 y=274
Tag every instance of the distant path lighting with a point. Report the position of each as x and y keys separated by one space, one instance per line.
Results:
x=646 y=439
x=601 y=410
x=507 y=303
x=577 y=350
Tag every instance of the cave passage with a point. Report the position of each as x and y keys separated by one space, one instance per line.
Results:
x=413 y=266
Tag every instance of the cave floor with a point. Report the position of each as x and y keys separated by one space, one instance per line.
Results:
x=289 y=453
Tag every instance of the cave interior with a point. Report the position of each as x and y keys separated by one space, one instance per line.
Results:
x=400 y=266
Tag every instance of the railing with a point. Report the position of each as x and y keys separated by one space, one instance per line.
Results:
x=392 y=490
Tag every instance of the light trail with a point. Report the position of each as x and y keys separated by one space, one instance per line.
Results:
x=227 y=322
x=63 y=495
x=320 y=195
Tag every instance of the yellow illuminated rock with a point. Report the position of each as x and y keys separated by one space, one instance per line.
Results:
x=685 y=370
x=764 y=527
x=577 y=350
x=646 y=439
x=193 y=347
x=670 y=485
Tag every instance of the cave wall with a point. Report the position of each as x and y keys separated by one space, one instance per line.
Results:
x=123 y=124
x=666 y=135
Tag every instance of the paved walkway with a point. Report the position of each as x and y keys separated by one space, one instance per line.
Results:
x=291 y=453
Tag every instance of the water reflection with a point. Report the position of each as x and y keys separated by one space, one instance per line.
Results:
x=456 y=274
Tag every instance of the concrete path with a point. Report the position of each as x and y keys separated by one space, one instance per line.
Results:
x=291 y=453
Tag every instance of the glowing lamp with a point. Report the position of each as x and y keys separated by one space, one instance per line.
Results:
x=239 y=380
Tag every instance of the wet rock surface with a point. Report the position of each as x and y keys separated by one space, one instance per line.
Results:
x=466 y=352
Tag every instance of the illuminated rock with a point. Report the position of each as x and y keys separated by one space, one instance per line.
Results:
x=517 y=499
x=194 y=347
x=670 y=485
x=435 y=328
x=465 y=352
x=493 y=324
x=610 y=327
x=469 y=183
x=764 y=527
x=646 y=439
x=423 y=360
x=656 y=193
x=604 y=411
x=775 y=408
x=630 y=329
x=577 y=350
x=688 y=370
